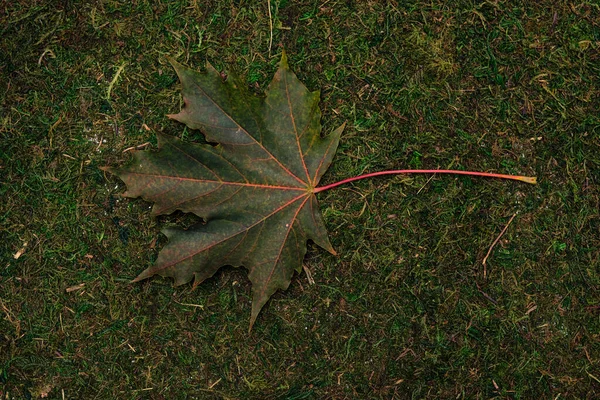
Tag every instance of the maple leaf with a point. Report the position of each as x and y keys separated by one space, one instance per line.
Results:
x=254 y=185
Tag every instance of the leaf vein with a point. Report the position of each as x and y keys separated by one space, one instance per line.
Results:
x=273 y=267
x=244 y=229
x=300 y=154
x=248 y=134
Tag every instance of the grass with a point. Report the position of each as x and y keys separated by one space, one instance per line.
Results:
x=405 y=310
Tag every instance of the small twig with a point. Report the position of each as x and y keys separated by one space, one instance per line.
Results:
x=141 y=146
x=19 y=253
x=487 y=296
x=99 y=143
x=114 y=80
x=46 y=51
x=52 y=128
x=215 y=384
x=593 y=377
x=428 y=180
x=309 y=276
x=75 y=288
x=190 y=305
x=270 y=27
x=493 y=244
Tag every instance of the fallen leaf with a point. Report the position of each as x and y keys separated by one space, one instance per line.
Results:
x=252 y=185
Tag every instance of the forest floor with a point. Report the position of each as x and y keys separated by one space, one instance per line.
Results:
x=407 y=309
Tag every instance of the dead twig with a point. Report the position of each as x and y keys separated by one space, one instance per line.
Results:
x=141 y=146
x=270 y=27
x=494 y=244
x=309 y=276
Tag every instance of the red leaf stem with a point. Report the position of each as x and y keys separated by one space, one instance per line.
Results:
x=527 y=179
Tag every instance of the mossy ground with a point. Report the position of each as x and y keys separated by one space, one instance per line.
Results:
x=406 y=310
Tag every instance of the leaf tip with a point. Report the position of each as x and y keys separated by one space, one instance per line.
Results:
x=112 y=170
x=284 y=60
x=257 y=305
x=173 y=63
x=162 y=139
x=252 y=320
x=176 y=117
x=179 y=68
x=338 y=131
x=144 y=275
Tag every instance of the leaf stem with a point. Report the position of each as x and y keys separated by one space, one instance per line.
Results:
x=527 y=179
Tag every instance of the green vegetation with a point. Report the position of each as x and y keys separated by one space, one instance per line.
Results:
x=406 y=309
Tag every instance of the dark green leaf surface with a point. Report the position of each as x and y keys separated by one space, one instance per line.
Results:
x=253 y=187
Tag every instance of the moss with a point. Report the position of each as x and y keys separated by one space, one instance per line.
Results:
x=405 y=309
